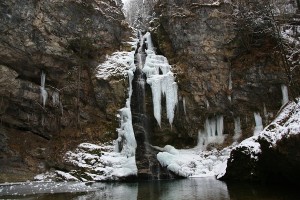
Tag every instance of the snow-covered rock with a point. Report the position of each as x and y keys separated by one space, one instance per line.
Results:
x=273 y=153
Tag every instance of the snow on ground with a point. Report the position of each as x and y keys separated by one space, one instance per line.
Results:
x=96 y=162
x=197 y=163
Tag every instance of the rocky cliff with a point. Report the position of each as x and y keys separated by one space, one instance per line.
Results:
x=231 y=73
x=229 y=77
x=50 y=98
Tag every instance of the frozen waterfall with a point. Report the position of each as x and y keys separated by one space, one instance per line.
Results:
x=161 y=80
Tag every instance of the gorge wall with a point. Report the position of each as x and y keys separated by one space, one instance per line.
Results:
x=225 y=74
x=229 y=82
x=50 y=98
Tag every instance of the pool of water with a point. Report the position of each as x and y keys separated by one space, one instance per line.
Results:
x=185 y=189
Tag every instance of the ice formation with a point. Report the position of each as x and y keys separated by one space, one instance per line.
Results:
x=237 y=128
x=229 y=86
x=195 y=162
x=258 y=123
x=198 y=163
x=55 y=98
x=212 y=133
x=285 y=96
x=126 y=143
x=161 y=80
x=44 y=94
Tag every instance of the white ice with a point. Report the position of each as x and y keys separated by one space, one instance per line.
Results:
x=237 y=128
x=285 y=96
x=212 y=133
x=44 y=94
x=258 y=123
x=161 y=80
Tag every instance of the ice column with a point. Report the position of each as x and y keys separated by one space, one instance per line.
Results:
x=212 y=133
x=126 y=137
x=55 y=98
x=237 y=128
x=230 y=86
x=258 y=123
x=44 y=93
x=161 y=80
x=285 y=96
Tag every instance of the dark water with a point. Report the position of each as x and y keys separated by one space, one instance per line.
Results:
x=186 y=189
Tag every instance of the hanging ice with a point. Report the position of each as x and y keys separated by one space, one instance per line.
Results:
x=230 y=86
x=285 y=96
x=126 y=143
x=237 y=128
x=258 y=123
x=161 y=80
x=55 y=98
x=44 y=93
x=212 y=133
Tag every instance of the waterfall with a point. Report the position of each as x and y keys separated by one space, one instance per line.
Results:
x=44 y=94
x=258 y=123
x=285 y=96
x=156 y=72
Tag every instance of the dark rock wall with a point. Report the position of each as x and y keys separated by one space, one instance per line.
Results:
x=217 y=75
x=65 y=40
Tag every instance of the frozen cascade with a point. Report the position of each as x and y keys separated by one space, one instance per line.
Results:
x=237 y=128
x=285 y=96
x=44 y=94
x=126 y=138
x=161 y=80
x=212 y=133
x=258 y=123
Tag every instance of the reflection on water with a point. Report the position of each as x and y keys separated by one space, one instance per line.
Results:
x=185 y=189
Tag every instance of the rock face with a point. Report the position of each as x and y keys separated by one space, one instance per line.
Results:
x=218 y=76
x=49 y=51
x=273 y=155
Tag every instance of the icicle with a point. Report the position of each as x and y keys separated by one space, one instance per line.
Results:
x=44 y=93
x=212 y=133
x=237 y=128
x=55 y=98
x=155 y=83
x=149 y=43
x=163 y=83
x=229 y=86
x=258 y=123
x=285 y=96
x=220 y=125
x=184 y=105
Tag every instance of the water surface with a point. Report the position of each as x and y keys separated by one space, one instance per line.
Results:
x=185 y=189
